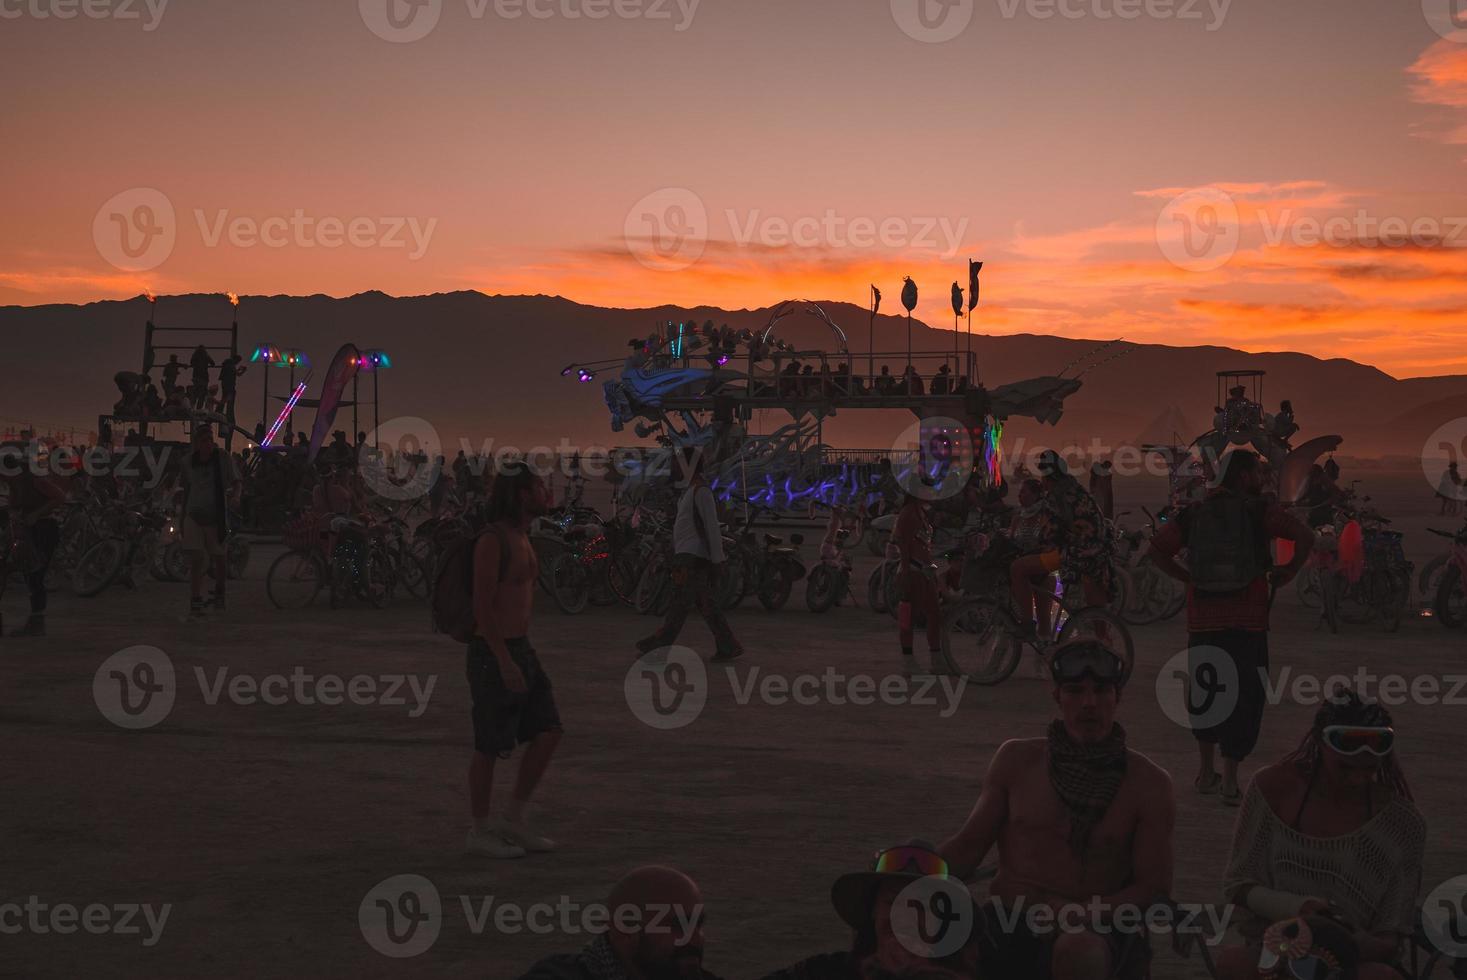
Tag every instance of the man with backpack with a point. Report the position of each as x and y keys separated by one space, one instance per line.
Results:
x=211 y=488
x=1231 y=580
x=483 y=595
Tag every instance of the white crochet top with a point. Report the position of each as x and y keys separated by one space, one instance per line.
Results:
x=1372 y=874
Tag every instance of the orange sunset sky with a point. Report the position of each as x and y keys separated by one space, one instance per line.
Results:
x=1268 y=175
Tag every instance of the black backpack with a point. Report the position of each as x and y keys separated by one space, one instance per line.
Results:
x=453 y=584
x=1227 y=544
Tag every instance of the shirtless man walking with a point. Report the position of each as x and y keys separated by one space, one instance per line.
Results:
x=513 y=703
x=1083 y=826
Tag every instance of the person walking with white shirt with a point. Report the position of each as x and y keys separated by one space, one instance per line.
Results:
x=697 y=557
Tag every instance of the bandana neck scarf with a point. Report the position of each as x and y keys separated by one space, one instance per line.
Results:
x=601 y=959
x=1086 y=777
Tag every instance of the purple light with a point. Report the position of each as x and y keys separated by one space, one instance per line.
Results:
x=586 y=375
x=295 y=396
x=722 y=359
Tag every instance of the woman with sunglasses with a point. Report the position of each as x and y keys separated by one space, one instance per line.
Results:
x=1329 y=833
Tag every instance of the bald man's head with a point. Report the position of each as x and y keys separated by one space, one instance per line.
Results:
x=657 y=924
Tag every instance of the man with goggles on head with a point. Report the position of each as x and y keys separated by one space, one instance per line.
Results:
x=1329 y=832
x=1083 y=826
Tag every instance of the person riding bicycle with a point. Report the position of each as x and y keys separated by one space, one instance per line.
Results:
x=1035 y=533
x=1084 y=549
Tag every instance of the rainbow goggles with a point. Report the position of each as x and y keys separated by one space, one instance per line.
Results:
x=911 y=860
x=1289 y=953
x=1354 y=739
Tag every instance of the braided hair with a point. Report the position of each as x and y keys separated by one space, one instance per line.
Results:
x=1345 y=707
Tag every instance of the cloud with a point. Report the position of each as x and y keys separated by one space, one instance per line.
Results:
x=1439 y=78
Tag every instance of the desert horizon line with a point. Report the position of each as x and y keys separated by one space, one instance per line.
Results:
x=144 y=296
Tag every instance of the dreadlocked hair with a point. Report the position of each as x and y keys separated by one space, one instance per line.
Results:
x=1345 y=707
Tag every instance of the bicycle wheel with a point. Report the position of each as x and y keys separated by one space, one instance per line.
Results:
x=1147 y=597
x=412 y=575
x=379 y=579
x=295 y=579
x=978 y=642
x=1099 y=624
x=621 y=576
x=1394 y=594
x=1430 y=577
x=775 y=591
x=876 y=589
x=821 y=588
x=649 y=585
x=570 y=585
x=98 y=567
x=892 y=586
x=1451 y=599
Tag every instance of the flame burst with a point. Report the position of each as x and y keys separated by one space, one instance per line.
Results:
x=151 y=298
x=233 y=299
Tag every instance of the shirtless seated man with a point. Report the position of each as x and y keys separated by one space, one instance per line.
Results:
x=1084 y=833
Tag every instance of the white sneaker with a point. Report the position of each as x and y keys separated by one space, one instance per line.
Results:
x=491 y=844
x=521 y=836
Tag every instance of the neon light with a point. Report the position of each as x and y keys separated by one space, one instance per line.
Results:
x=295 y=396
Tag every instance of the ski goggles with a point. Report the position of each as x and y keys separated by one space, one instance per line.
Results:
x=1071 y=662
x=1354 y=739
x=909 y=860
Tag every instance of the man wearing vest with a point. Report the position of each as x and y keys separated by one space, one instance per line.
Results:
x=1231 y=580
x=697 y=555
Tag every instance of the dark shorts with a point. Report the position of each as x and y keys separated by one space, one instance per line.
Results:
x=1020 y=953
x=502 y=718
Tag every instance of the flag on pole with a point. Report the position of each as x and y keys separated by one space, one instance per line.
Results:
x=973 y=269
x=875 y=300
x=909 y=294
x=957 y=300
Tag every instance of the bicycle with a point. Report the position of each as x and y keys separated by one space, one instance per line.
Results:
x=982 y=638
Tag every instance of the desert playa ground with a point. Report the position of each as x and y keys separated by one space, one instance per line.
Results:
x=264 y=827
